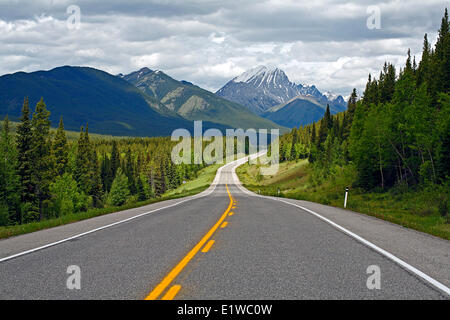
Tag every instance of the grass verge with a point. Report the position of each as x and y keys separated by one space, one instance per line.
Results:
x=411 y=209
x=195 y=186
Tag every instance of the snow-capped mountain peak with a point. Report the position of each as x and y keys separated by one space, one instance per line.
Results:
x=331 y=96
x=262 y=75
x=249 y=74
x=261 y=88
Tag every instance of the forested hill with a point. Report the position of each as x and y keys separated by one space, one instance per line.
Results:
x=396 y=135
x=82 y=95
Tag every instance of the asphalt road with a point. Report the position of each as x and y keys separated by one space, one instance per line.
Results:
x=262 y=249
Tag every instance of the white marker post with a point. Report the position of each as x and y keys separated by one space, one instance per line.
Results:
x=346 y=197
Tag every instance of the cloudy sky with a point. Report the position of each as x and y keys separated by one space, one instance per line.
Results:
x=208 y=42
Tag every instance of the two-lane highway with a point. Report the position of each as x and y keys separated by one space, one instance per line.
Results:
x=226 y=243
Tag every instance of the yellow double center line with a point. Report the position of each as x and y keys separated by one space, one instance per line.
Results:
x=183 y=263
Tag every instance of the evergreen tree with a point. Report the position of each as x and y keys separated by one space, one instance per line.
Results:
x=106 y=173
x=60 y=150
x=42 y=160
x=129 y=171
x=441 y=56
x=387 y=83
x=160 y=179
x=140 y=190
x=96 y=188
x=295 y=140
x=9 y=178
x=119 y=190
x=325 y=125
x=442 y=152
x=172 y=178
x=313 y=135
x=115 y=159
x=423 y=72
x=351 y=107
x=82 y=163
x=24 y=150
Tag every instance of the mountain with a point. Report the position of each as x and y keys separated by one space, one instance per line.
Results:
x=259 y=89
x=297 y=112
x=194 y=103
x=83 y=95
x=262 y=88
x=336 y=102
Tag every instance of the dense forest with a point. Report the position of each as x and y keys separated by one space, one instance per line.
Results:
x=43 y=175
x=397 y=135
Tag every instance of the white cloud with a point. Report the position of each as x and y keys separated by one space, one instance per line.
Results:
x=322 y=42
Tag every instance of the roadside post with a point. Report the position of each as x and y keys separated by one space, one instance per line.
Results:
x=346 y=197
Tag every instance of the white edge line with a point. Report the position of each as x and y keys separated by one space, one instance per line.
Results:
x=201 y=195
x=369 y=244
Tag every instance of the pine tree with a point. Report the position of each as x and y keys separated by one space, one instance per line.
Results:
x=313 y=135
x=42 y=160
x=9 y=178
x=441 y=56
x=172 y=177
x=160 y=179
x=423 y=73
x=349 y=115
x=387 y=83
x=96 y=189
x=140 y=190
x=368 y=99
x=442 y=152
x=408 y=67
x=336 y=130
x=82 y=163
x=119 y=190
x=295 y=140
x=129 y=171
x=87 y=172
x=115 y=159
x=325 y=125
x=105 y=173
x=60 y=150
x=24 y=150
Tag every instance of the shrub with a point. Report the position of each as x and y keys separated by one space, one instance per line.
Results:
x=67 y=198
x=119 y=190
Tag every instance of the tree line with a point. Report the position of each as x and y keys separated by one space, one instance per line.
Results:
x=397 y=134
x=43 y=175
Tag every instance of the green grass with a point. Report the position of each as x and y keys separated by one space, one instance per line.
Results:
x=192 y=187
x=204 y=180
x=412 y=209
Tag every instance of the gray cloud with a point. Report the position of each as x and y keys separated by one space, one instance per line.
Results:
x=322 y=42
